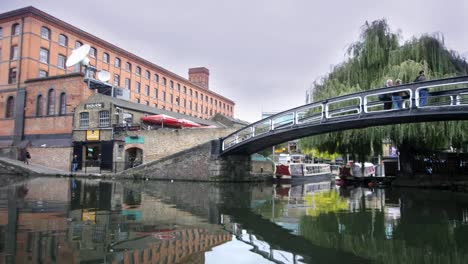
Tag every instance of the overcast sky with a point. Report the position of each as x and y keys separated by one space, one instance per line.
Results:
x=261 y=54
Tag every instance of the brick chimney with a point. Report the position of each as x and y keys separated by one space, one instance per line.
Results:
x=199 y=76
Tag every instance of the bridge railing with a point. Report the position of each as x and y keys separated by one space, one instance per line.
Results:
x=449 y=92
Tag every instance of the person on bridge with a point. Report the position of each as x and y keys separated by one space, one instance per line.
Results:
x=423 y=93
x=397 y=99
x=385 y=97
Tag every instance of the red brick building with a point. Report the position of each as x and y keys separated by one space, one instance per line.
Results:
x=38 y=93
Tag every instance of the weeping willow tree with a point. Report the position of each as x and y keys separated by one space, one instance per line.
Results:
x=378 y=56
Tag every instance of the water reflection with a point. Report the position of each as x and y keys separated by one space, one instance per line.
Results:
x=51 y=220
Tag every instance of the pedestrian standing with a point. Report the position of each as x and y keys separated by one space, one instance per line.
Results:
x=397 y=100
x=75 y=163
x=27 y=157
x=423 y=93
x=385 y=98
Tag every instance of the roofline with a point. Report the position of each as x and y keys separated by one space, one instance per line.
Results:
x=30 y=10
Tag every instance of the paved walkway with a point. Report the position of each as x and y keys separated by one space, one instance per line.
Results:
x=46 y=171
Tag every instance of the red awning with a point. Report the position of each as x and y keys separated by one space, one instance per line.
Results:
x=162 y=119
x=188 y=123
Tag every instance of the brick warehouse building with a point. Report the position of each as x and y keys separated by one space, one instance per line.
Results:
x=38 y=94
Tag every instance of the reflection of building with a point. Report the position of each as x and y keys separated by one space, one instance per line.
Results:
x=87 y=221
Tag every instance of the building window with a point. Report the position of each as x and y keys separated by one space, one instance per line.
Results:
x=116 y=80
x=104 y=118
x=164 y=96
x=196 y=94
x=128 y=66
x=172 y=98
x=137 y=100
x=51 y=102
x=117 y=62
x=190 y=105
x=156 y=77
x=105 y=57
x=10 y=107
x=15 y=29
x=61 y=61
x=185 y=90
x=147 y=90
x=45 y=33
x=138 y=70
x=78 y=44
x=178 y=87
x=39 y=105
x=93 y=52
x=43 y=74
x=190 y=92
x=127 y=83
x=155 y=93
x=1 y=32
x=12 y=76
x=14 y=52
x=171 y=84
x=137 y=87
x=63 y=40
x=147 y=74
x=63 y=104
x=164 y=81
x=44 y=55
x=146 y=103
x=84 y=119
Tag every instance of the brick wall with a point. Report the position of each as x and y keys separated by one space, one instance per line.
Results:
x=58 y=158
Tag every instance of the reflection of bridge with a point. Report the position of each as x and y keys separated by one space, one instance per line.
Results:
x=447 y=100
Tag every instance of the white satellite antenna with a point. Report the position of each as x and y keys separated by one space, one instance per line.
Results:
x=103 y=76
x=79 y=55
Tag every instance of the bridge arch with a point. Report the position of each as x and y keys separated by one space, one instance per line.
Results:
x=447 y=99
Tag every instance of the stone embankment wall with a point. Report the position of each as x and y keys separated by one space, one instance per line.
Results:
x=201 y=163
x=165 y=142
x=57 y=158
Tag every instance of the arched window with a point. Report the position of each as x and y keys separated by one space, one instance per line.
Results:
x=45 y=33
x=178 y=87
x=128 y=66
x=51 y=102
x=63 y=40
x=15 y=29
x=10 y=107
x=156 y=77
x=104 y=118
x=172 y=84
x=39 y=105
x=147 y=74
x=78 y=44
x=63 y=104
x=84 y=119
x=1 y=32
x=117 y=62
x=105 y=57
x=164 y=81
x=92 y=52
x=138 y=70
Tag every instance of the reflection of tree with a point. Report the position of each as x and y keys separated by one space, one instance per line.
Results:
x=324 y=202
x=424 y=234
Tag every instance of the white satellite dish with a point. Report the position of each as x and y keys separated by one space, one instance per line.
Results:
x=79 y=55
x=104 y=76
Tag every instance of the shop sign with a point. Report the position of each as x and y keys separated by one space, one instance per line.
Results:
x=92 y=106
x=92 y=135
x=134 y=140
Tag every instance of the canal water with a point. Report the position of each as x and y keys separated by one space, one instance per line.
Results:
x=64 y=220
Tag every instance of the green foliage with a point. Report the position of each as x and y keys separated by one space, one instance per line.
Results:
x=376 y=57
